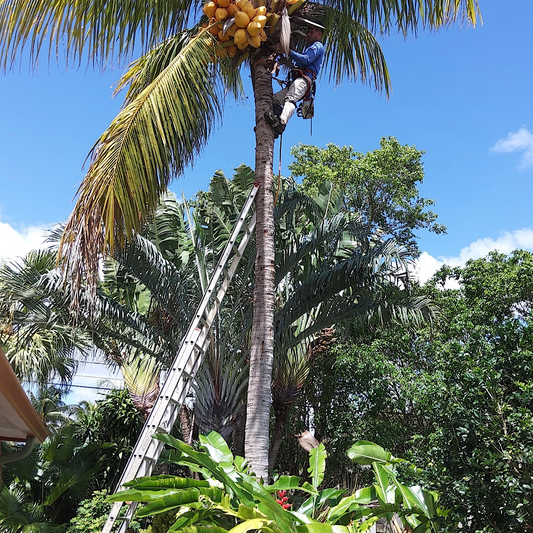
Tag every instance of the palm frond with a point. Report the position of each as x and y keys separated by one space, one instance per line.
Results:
x=142 y=72
x=151 y=141
x=101 y=31
x=174 y=290
x=406 y=16
x=353 y=52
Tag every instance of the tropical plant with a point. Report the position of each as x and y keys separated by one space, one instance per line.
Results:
x=17 y=515
x=173 y=99
x=36 y=329
x=454 y=397
x=229 y=498
x=92 y=514
x=50 y=483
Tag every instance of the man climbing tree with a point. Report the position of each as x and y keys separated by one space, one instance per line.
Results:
x=303 y=78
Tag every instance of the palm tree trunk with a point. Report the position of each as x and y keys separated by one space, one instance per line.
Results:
x=262 y=349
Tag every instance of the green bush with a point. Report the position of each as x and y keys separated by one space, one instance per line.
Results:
x=92 y=515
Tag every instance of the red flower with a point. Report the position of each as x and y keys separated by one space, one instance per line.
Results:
x=283 y=499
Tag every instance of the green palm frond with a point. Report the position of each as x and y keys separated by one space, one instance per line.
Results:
x=353 y=52
x=173 y=289
x=98 y=30
x=171 y=232
x=406 y=16
x=118 y=331
x=142 y=72
x=151 y=141
x=331 y=230
x=17 y=515
x=356 y=273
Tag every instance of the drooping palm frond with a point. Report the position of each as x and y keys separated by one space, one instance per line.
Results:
x=151 y=141
x=173 y=289
x=384 y=16
x=100 y=31
x=353 y=52
x=349 y=287
x=35 y=326
x=142 y=72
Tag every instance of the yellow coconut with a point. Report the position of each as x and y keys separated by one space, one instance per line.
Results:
x=242 y=19
x=232 y=30
x=223 y=37
x=242 y=46
x=221 y=14
x=240 y=3
x=249 y=9
x=232 y=9
x=253 y=28
x=214 y=28
x=240 y=37
x=254 y=41
x=232 y=50
x=223 y=3
x=261 y=19
x=261 y=10
x=209 y=9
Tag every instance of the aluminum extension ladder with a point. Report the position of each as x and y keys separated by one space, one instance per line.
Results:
x=183 y=370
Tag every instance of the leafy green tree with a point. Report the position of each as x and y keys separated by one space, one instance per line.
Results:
x=174 y=97
x=382 y=185
x=455 y=397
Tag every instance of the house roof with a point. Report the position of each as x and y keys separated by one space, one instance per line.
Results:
x=18 y=418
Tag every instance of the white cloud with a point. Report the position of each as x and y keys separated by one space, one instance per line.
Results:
x=519 y=141
x=427 y=265
x=14 y=243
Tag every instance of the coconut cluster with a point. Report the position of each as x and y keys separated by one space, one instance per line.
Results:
x=236 y=24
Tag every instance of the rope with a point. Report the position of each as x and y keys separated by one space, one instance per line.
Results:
x=279 y=168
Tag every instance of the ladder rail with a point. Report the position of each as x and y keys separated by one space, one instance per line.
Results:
x=184 y=367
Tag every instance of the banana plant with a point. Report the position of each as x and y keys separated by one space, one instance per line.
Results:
x=231 y=500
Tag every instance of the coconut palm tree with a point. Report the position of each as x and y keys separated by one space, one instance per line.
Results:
x=174 y=98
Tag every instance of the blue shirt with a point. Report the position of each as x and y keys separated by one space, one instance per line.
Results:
x=311 y=58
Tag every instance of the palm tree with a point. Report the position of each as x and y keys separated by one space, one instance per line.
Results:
x=35 y=324
x=174 y=98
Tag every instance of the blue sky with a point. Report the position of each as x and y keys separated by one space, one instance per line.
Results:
x=463 y=95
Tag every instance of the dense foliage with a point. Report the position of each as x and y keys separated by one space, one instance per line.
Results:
x=455 y=396
x=86 y=452
x=227 y=498
x=381 y=185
